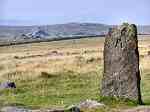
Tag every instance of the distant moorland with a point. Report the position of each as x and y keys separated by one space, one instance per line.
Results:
x=16 y=33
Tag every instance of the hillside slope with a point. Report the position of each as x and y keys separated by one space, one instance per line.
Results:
x=58 y=31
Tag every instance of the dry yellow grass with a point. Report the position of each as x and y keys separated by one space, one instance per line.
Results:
x=53 y=57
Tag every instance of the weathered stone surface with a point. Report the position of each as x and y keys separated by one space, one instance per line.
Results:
x=21 y=109
x=138 y=109
x=121 y=76
x=14 y=109
x=87 y=104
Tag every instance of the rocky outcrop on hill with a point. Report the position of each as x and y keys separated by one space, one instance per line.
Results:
x=37 y=34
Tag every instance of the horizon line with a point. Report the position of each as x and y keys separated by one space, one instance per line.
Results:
x=27 y=25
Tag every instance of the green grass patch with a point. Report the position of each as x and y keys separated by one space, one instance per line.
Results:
x=50 y=90
x=65 y=89
x=117 y=102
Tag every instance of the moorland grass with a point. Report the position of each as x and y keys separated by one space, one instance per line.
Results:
x=62 y=89
x=74 y=76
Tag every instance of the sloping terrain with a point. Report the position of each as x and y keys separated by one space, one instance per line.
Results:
x=25 y=34
x=58 y=30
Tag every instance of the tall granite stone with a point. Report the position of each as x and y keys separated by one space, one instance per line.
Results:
x=121 y=76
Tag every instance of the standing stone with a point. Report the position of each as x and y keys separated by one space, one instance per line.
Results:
x=121 y=76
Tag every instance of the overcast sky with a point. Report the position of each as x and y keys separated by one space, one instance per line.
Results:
x=31 y=12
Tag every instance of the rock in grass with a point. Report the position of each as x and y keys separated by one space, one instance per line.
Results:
x=138 y=109
x=14 y=109
x=21 y=109
x=88 y=104
x=5 y=85
x=121 y=76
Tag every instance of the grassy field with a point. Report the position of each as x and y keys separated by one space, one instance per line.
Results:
x=61 y=73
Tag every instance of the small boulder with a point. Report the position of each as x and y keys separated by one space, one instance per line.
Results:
x=5 y=85
x=90 y=104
